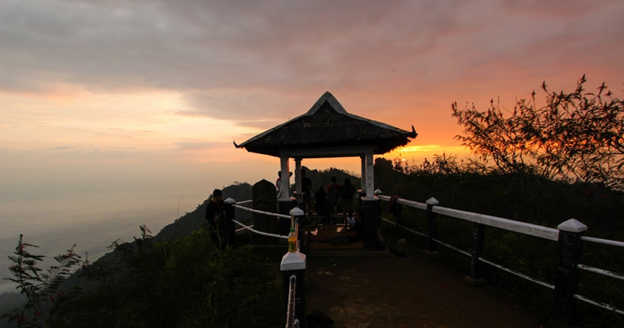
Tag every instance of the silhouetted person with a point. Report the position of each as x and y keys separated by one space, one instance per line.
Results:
x=333 y=194
x=215 y=217
x=278 y=184
x=320 y=203
x=306 y=188
x=346 y=198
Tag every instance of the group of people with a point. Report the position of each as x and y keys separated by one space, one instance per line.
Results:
x=326 y=200
x=336 y=194
x=326 y=204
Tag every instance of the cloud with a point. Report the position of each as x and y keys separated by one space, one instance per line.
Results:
x=60 y=148
x=199 y=145
x=248 y=61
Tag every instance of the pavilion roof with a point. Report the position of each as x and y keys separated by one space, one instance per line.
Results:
x=328 y=125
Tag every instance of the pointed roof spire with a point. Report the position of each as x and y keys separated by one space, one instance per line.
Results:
x=327 y=125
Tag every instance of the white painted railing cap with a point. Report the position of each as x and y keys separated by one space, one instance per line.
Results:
x=229 y=201
x=572 y=225
x=432 y=201
x=378 y=192
x=293 y=261
x=296 y=212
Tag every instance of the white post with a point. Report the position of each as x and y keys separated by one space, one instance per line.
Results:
x=363 y=184
x=285 y=179
x=298 y=175
x=370 y=175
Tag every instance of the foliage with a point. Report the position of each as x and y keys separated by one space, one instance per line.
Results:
x=577 y=135
x=183 y=283
x=40 y=287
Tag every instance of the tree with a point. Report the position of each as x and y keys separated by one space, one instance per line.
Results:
x=575 y=136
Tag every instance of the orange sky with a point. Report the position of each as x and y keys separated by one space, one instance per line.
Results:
x=137 y=96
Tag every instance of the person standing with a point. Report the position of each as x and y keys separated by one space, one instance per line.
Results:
x=278 y=184
x=346 y=198
x=320 y=204
x=215 y=218
x=333 y=194
x=306 y=187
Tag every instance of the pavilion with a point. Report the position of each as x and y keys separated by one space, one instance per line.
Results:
x=324 y=131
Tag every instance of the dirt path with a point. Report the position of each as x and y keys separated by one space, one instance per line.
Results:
x=358 y=292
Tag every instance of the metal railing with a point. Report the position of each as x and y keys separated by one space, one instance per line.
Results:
x=291 y=321
x=510 y=225
x=291 y=266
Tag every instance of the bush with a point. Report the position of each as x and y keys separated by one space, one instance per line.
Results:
x=183 y=283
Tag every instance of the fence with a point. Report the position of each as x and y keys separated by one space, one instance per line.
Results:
x=293 y=263
x=568 y=236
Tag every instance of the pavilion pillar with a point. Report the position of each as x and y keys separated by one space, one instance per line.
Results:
x=370 y=175
x=298 y=176
x=370 y=203
x=285 y=178
x=363 y=164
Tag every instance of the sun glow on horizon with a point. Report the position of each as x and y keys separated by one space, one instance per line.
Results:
x=420 y=152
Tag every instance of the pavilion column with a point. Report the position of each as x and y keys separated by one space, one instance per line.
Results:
x=363 y=164
x=285 y=178
x=370 y=204
x=284 y=203
x=298 y=175
x=370 y=175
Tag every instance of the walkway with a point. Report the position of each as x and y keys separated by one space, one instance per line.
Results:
x=379 y=292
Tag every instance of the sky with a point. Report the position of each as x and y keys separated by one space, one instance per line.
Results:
x=132 y=106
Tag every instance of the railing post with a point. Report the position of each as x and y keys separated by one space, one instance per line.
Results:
x=474 y=278
x=230 y=229
x=294 y=263
x=297 y=215
x=284 y=207
x=370 y=208
x=569 y=250
x=432 y=228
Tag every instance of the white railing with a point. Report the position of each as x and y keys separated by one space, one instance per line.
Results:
x=515 y=226
x=293 y=316
x=250 y=228
x=291 y=321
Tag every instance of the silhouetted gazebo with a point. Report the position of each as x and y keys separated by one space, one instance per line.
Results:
x=327 y=130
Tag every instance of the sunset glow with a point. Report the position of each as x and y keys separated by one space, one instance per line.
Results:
x=134 y=97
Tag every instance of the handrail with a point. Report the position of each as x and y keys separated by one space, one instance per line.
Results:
x=603 y=241
x=284 y=216
x=410 y=203
x=515 y=226
x=291 y=322
x=600 y=271
x=506 y=224
x=259 y=232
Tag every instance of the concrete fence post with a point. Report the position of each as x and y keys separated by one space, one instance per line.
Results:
x=432 y=228
x=294 y=263
x=284 y=207
x=569 y=250
x=475 y=277
x=370 y=208
x=297 y=215
x=230 y=229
